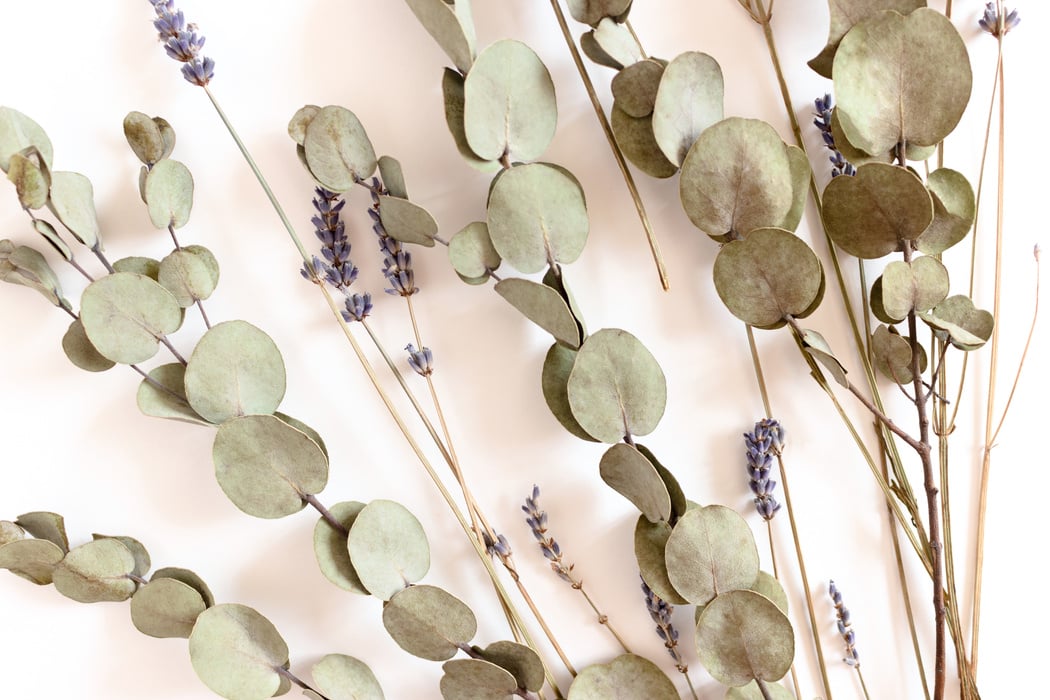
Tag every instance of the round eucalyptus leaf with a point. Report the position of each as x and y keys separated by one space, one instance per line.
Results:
x=742 y=636
x=30 y=180
x=844 y=15
x=616 y=387
x=166 y=608
x=592 y=11
x=635 y=137
x=429 y=622
x=919 y=285
x=18 y=132
x=96 y=572
x=235 y=652
x=616 y=41
x=963 y=325
x=235 y=370
x=768 y=275
x=266 y=467
x=557 y=280
x=190 y=273
x=73 y=202
x=628 y=472
x=679 y=504
x=169 y=194
x=710 y=551
x=522 y=662
x=901 y=80
x=627 y=677
x=147 y=267
x=125 y=315
x=751 y=691
x=557 y=367
x=33 y=560
x=304 y=428
x=45 y=525
x=452 y=87
x=452 y=27
x=767 y=585
x=738 y=177
x=137 y=549
x=170 y=401
x=392 y=176
x=954 y=208
x=543 y=306
x=877 y=308
x=81 y=352
x=893 y=355
x=510 y=110
x=189 y=578
x=54 y=240
x=850 y=152
x=145 y=138
x=475 y=679
x=871 y=214
x=10 y=532
x=388 y=548
x=650 y=541
x=300 y=120
x=634 y=88
x=407 y=222
x=537 y=216
x=330 y=548
x=593 y=50
x=471 y=252
x=688 y=101
x=800 y=177
x=815 y=344
x=338 y=152
x=342 y=677
x=25 y=266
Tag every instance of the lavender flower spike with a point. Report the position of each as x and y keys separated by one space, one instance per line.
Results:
x=660 y=611
x=337 y=269
x=839 y=164
x=422 y=360
x=182 y=42
x=537 y=522
x=998 y=25
x=845 y=628
x=397 y=262
x=763 y=443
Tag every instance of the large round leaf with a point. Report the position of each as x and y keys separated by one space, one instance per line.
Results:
x=96 y=572
x=168 y=193
x=845 y=14
x=266 y=467
x=510 y=110
x=73 y=202
x=429 y=622
x=893 y=355
x=742 y=636
x=543 y=306
x=333 y=557
x=954 y=208
x=126 y=314
x=166 y=607
x=630 y=473
x=522 y=662
x=616 y=387
x=901 y=80
x=337 y=150
x=17 y=131
x=388 y=548
x=476 y=679
x=650 y=541
x=236 y=651
x=537 y=215
x=918 y=285
x=557 y=368
x=710 y=551
x=235 y=370
x=452 y=27
x=189 y=273
x=627 y=677
x=768 y=275
x=688 y=101
x=33 y=560
x=342 y=677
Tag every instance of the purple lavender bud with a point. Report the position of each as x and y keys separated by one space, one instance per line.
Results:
x=358 y=307
x=422 y=360
x=839 y=164
x=844 y=626
x=537 y=522
x=498 y=548
x=997 y=25
x=182 y=42
x=763 y=443
x=660 y=612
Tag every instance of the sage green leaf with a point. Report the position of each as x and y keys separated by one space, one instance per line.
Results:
x=125 y=315
x=342 y=677
x=617 y=42
x=235 y=652
x=475 y=679
x=169 y=194
x=847 y=13
x=710 y=551
x=958 y=321
x=637 y=141
x=688 y=101
x=679 y=504
x=190 y=274
x=169 y=402
x=388 y=548
x=556 y=280
x=767 y=585
x=543 y=306
x=235 y=370
x=743 y=636
x=73 y=202
x=45 y=525
x=954 y=208
x=510 y=110
x=634 y=88
x=522 y=662
x=429 y=622
x=893 y=355
x=919 y=285
x=30 y=180
x=330 y=549
x=33 y=560
x=452 y=87
x=901 y=80
x=18 y=132
x=137 y=549
x=26 y=267
x=166 y=608
x=299 y=121
x=144 y=136
x=190 y=579
x=592 y=11
x=850 y=152
x=877 y=308
x=471 y=252
x=407 y=222
x=452 y=27
x=593 y=50
x=800 y=177
x=650 y=541
x=537 y=216
x=870 y=215
x=628 y=472
x=338 y=152
x=815 y=344
x=147 y=267
x=51 y=236
x=10 y=532
x=627 y=677
x=266 y=467
x=96 y=572
x=738 y=177
x=392 y=177
x=81 y=352
x=751 y=691
x=304 y=428
x=767 y=276
x=557 y=367
x=616 y=387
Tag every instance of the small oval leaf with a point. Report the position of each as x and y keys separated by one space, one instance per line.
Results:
x=388 y=548
x=429 y=622
x=235 y=651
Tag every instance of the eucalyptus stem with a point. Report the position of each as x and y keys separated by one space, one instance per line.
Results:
x=312 y=500
x=282 y=671
x=764 y=689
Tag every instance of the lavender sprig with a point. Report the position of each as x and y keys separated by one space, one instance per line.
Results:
x=537 y=522
x=763 y=443
x=839 y=164
x=336 y=269
x=998 y=25
x=422 y=360
x=182 y=42
x=844 y=625
x=397 y=262
x=660 y=611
